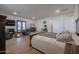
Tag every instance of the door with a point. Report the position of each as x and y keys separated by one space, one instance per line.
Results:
x=21 y=25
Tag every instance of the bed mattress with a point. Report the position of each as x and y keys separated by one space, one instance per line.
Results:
x=47 y=43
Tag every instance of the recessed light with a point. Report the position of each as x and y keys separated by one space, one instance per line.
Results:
x=14 y=13
x=57 y=11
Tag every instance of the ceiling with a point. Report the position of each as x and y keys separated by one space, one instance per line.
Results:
x=35 y=10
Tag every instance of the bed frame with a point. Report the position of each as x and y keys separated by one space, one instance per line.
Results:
x=31 y=39
x=33 y=34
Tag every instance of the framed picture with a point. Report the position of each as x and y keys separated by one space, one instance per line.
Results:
x=44 y=22
x=45 y=25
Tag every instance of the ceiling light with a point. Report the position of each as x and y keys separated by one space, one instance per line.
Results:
x=14 y=13
x=57 y=11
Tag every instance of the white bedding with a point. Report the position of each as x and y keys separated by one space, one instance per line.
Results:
x=47 y=45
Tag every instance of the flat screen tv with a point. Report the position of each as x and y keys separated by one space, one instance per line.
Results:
x=10 y=23
x=77 y=26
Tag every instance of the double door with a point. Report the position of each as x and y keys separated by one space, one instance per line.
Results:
x=21 y=26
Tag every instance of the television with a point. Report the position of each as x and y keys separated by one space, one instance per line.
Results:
x=10 y=23
x=77 y=26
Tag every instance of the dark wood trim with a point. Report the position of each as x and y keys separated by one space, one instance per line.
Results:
x=37 y=49
x=31 y=44
x=32 y=36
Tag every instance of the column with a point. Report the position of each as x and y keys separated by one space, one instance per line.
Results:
x=2 y=34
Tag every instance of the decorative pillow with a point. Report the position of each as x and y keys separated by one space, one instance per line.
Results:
x=64 y=37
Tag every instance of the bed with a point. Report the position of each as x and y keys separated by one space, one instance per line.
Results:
x=47 y=43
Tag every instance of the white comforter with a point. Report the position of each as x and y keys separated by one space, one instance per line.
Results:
x=47 y=45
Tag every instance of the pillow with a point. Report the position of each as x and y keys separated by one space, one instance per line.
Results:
x=64 y=37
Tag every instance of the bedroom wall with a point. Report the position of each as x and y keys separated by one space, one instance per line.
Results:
x=39 y=24
x=60 y=23
x=57 y=24
x=63 y=23
x=28 y=22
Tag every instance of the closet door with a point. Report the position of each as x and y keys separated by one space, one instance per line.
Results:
x=57 y=24
x=77 y=26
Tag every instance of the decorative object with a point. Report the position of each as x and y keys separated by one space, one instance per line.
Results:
x=44 y=22
x=64 y=37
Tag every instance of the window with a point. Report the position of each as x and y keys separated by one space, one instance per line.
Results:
x=21 y=25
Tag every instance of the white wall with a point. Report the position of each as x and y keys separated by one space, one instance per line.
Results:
x=28 y=22
x=57 y=24
x=64 y=22
x=39 y=24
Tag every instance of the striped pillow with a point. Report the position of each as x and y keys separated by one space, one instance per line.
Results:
x=64 y=37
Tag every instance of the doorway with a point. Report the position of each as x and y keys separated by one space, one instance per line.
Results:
x=21 y=26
